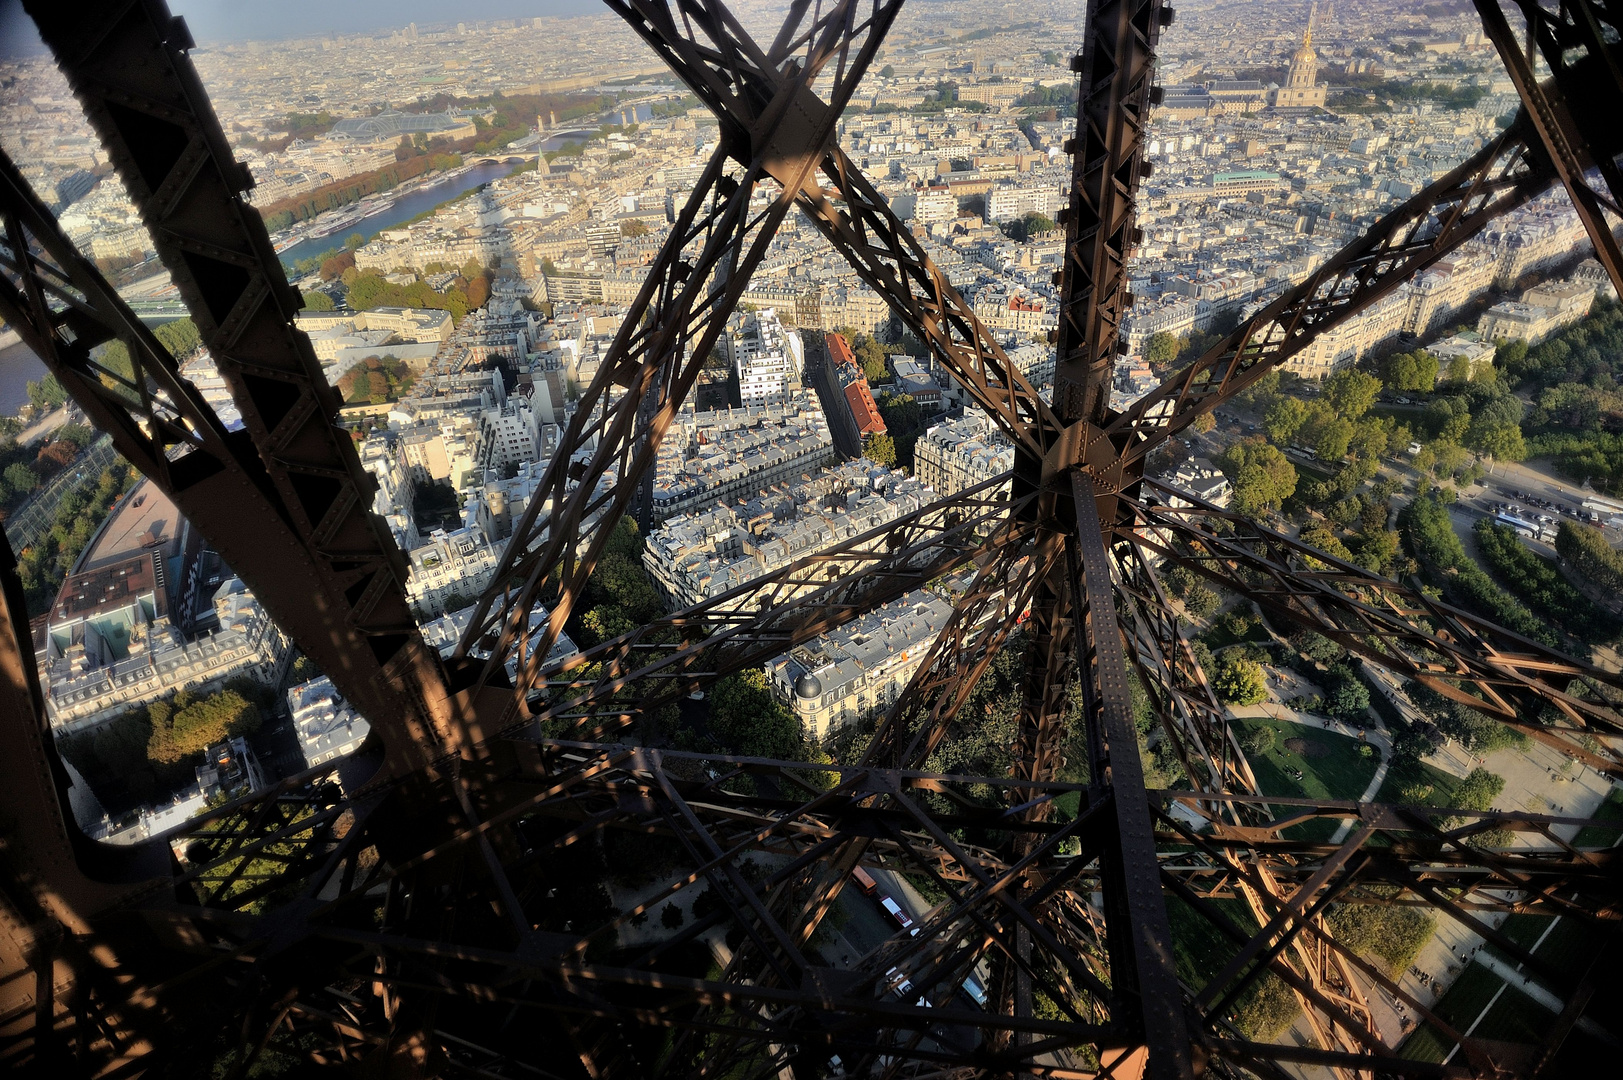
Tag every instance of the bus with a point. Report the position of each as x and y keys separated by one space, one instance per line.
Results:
x=894 y=910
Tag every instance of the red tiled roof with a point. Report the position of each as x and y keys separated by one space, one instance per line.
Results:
x=857 y=395
x=863 y=409
x=839 y=350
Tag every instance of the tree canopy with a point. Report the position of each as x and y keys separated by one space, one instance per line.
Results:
x=183 y=725
x=1262 y=477
x=1239 y=679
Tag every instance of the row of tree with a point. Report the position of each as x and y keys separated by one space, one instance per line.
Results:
x=24 y=469
x=1540 y=585
x=43 y=566
x=1573 y=377
x=1585 y=550
x=1471 y=728
x=1429 y=533
x=280 y=214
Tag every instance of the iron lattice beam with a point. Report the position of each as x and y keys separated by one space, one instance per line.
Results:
x=334 y=582
x=1400 y=629
x=428 y=905
x=1575 y=116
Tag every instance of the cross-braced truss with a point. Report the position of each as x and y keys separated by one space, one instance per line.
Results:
x=506 y=885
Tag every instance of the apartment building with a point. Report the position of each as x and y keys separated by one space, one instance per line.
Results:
x=961 y=453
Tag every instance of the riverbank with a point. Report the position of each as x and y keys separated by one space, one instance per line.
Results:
x=18 y=367
x=397 y=210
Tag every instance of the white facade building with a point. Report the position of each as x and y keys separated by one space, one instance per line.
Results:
x=766 y=360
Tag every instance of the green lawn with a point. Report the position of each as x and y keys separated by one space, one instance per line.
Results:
x=1468 y=996
x=1405 y=774
x=1609 y=810
x=1514 y=1017
x=1330 y=764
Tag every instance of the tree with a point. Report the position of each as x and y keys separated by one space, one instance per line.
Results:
x=1203 y=423
x=747 y=718
x=1459 y=371
x=1347 y=697
x=670 y=917
x=46 y=393
x=1318 y=534
x=21 y=479
x=1377 y=550
x=353 y=241
x=1509 y=354
x=1239 y=679
x=1284 y=419
x=1262 y=476
x=183 y=726
x=180 y=337
x=315 y=300
x=1351 y=393
x=79 y=435
x=1370 y=438
x=1478 y=790
x=1330 y=434
x=334 y=267
x=1202 y=602
x=1585 y=550
x=1501 y=441
x=1416 y=371
x=633 y=228
x=887 y=71
x=1162 y=348
x=1316 y=646
x=881 y=449
x=902 y=413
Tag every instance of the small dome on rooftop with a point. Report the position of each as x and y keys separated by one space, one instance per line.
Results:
x=808 y=687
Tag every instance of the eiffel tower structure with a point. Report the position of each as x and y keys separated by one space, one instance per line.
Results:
x=469 y=895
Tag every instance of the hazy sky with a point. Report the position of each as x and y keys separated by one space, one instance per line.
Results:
x=238 y=20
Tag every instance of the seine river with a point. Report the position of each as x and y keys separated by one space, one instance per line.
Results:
x=404 y=209
x=431 y=196
x=18 y=365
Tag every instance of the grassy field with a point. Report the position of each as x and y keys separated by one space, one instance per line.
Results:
x=1568 y=945
x=1609 y=810
x=1330 y=764
x=1406 y=774
x=1513 y=1017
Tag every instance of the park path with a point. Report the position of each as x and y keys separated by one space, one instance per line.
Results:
x=1372 y=735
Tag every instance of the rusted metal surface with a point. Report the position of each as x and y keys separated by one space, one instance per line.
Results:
x=495 y=900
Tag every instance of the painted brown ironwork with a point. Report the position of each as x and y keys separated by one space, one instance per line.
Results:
x=1571 y=39
x=1401 y=629
x=127 y=65
x=486 y=903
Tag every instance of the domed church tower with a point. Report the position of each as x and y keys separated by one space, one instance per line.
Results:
x=1301 y=91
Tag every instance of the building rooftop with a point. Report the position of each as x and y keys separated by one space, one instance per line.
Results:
x=144 y=518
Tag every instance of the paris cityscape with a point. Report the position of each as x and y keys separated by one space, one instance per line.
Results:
x=470 y=209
